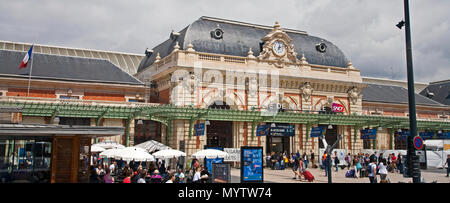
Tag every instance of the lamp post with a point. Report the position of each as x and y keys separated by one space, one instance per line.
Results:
x=412 y=158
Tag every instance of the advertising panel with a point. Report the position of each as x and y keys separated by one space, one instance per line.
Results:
x=221 y=173
x=251 y=164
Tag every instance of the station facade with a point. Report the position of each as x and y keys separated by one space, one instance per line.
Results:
x=232 y=75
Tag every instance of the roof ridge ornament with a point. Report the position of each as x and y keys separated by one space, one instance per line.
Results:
x=157 y=58
x=190 y=47
x=350 y=65
x=250 y=53
x=176 y=47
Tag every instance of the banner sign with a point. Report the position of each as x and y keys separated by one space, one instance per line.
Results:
x=443 y=135
x=282 y=129
x=199 y=129
x=318 y=131
x=262 y=130
x=426 y=135
x=402 y=135
x=252 y=164
x=335 y=107
x=369 y=134
x=234 y=154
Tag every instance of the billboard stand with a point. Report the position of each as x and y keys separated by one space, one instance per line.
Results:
x=252 y=165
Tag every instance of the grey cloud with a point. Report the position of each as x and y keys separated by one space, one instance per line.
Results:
x=364 y=30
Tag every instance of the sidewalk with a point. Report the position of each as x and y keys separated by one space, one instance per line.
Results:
x=285 y=176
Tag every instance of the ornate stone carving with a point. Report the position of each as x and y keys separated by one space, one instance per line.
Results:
x=285 y=52
x=306 y=91
x=353 y=94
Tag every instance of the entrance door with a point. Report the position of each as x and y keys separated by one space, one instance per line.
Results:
x=277 y=144
x=220 y=134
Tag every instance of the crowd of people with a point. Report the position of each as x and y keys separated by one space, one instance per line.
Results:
x=151 y=172
x=366 y=165
x=358 y=166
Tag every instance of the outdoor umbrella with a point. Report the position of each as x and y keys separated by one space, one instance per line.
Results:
x=168 y=153
x=110 y=153
x=109 y=145
x=210 y=154
x=97 y=149
x=152 y=145
x=134 y=154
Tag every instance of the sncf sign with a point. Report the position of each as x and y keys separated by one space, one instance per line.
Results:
x=337 y=107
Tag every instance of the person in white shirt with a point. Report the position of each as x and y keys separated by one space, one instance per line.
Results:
x=382 y=170
x=197 y=176
x=112 y=167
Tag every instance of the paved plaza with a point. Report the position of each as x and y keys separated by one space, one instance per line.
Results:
x=285 y=176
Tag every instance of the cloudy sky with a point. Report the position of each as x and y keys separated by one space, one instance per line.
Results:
x=363 y=29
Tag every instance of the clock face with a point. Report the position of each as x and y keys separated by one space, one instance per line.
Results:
x=279 y=48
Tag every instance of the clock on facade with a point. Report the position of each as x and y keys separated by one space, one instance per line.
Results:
x=279 y=48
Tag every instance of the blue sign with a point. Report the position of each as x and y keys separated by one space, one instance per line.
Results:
x=443 y=135
x=426 y=135
x=282 y=130
x=369 y=134
x=318 y=131
x=262 y=130
x=402 y=135
x=251 y=164
x=199 y=129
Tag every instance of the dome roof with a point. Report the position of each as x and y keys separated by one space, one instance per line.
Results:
x=237 y=38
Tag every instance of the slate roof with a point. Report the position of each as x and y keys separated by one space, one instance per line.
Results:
x=64 y=68
x=239 y=37
x=440 y=90
x=393 y=94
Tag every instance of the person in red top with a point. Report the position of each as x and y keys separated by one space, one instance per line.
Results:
x=128 y=178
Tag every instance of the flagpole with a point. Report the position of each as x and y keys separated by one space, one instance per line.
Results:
x=29 y=78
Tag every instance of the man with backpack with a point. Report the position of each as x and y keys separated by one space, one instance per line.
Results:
x=336 y=161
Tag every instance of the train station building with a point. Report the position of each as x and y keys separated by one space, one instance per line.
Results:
x=232 y=76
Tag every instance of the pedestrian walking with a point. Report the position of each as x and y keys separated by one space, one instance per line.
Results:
x=348 y=160
x=382 y=170
x=305 y=160
x=399 y=163
x=372 y=168
x=295 y=164
x=313 y=159
x=336 y=161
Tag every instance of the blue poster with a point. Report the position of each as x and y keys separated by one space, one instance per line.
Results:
x=282 y=129
x=262 y=130
x=199 y=129
x=369 y=134
x=209 y=162
x=318 y=131
x=252 y=164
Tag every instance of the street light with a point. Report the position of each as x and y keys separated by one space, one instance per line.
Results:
x=412 y=158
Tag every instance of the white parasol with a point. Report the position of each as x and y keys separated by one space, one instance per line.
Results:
x=110 y=153
x=168 y=153
x=109 y=145
x=97 y=149
x=134 y=153
x=210 y=154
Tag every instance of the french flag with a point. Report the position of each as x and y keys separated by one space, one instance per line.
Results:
x=27 y=58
